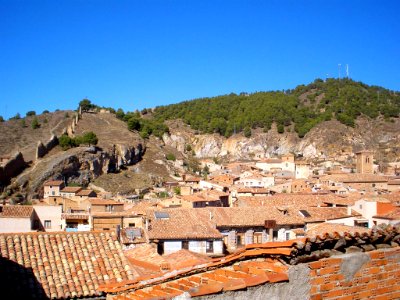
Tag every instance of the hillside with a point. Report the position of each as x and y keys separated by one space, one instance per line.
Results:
x=18 y=135
x=331 y=119
x=117 y=164
x=299 y=109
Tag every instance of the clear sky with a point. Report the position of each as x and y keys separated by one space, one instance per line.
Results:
x=137 y=54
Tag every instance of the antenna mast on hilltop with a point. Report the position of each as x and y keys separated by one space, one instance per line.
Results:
x=347 y=70
x=339 y=69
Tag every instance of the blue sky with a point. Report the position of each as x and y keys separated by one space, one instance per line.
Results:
x=137 y=54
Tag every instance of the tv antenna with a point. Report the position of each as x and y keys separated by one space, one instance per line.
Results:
x=347 y=70
x=339 y=65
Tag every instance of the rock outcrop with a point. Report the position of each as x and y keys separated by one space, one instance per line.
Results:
x=11 y=168
x=326 y=139
x=80 y=165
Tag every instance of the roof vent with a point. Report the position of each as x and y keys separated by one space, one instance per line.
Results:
x=304 y=213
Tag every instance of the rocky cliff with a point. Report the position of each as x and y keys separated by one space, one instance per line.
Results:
x=329 y=138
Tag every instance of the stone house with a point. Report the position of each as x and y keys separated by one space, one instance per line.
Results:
x=49 y=217
x=70 y=191
x=302 y=170
x=205 y=198
x=16 y=218
x=53 y=188
x=371 y=207
x=176 y=229
x=257 y=181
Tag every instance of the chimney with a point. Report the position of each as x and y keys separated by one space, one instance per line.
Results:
x=118 y=232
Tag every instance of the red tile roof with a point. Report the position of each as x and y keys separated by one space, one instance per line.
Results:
x=17 y=211
x=207 y=195
x=99 y=201
x=253 y=265
x=354 y=177
x=67 y=265
x=71 y=189
x=393 y=215
x=54 y=182
x=246 y=268
x=322 y=228
x=85 y=192
x=182 y=224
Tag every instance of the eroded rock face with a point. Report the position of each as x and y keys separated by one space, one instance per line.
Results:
x=329 y=138
x=80 y=165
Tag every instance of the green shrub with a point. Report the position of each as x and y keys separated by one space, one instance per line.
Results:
x=170 y=156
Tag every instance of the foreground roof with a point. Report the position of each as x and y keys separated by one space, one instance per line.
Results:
x=258 y=264
x=61 y=265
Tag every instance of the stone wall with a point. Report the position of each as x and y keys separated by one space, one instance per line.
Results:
x=372 y=275
x=14 y=166
x=360 y=275
x=43 y=149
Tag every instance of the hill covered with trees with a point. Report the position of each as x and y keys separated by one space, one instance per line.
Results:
x=299 y=109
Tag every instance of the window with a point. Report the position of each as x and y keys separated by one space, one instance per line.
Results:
x=110 y=208
x=185 y=245
x=47 y=224
x=287 y=236
x=53 y=193
x=210 y=247
x=132 y=224
x=239 y=241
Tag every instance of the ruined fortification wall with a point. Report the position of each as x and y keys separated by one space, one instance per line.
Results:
x=11 y=168
x=43 y=149
x=70 y=130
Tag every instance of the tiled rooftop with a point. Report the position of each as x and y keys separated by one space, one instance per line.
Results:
x=254 y=265
x=71 y=189
x=393 y=215
x=249 y=267
x=322 y=228
x=98 y=201
x=17 y=211
x=54 y=183
x=182 y=223
x=207 y=195
x=300 y=199
x=66 y=265
x=355 y=177
x=84 y=192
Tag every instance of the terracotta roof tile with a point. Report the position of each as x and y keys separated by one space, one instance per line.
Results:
x=67 y=264
x=393 y=215
x=216 y=276
x=246 y=268
x=98 y=201
x=322 y=228
x=182 y=223
x=85 y=192
x=354 y=177
x=54 y=182
x=17 y=211
x=71 y=189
